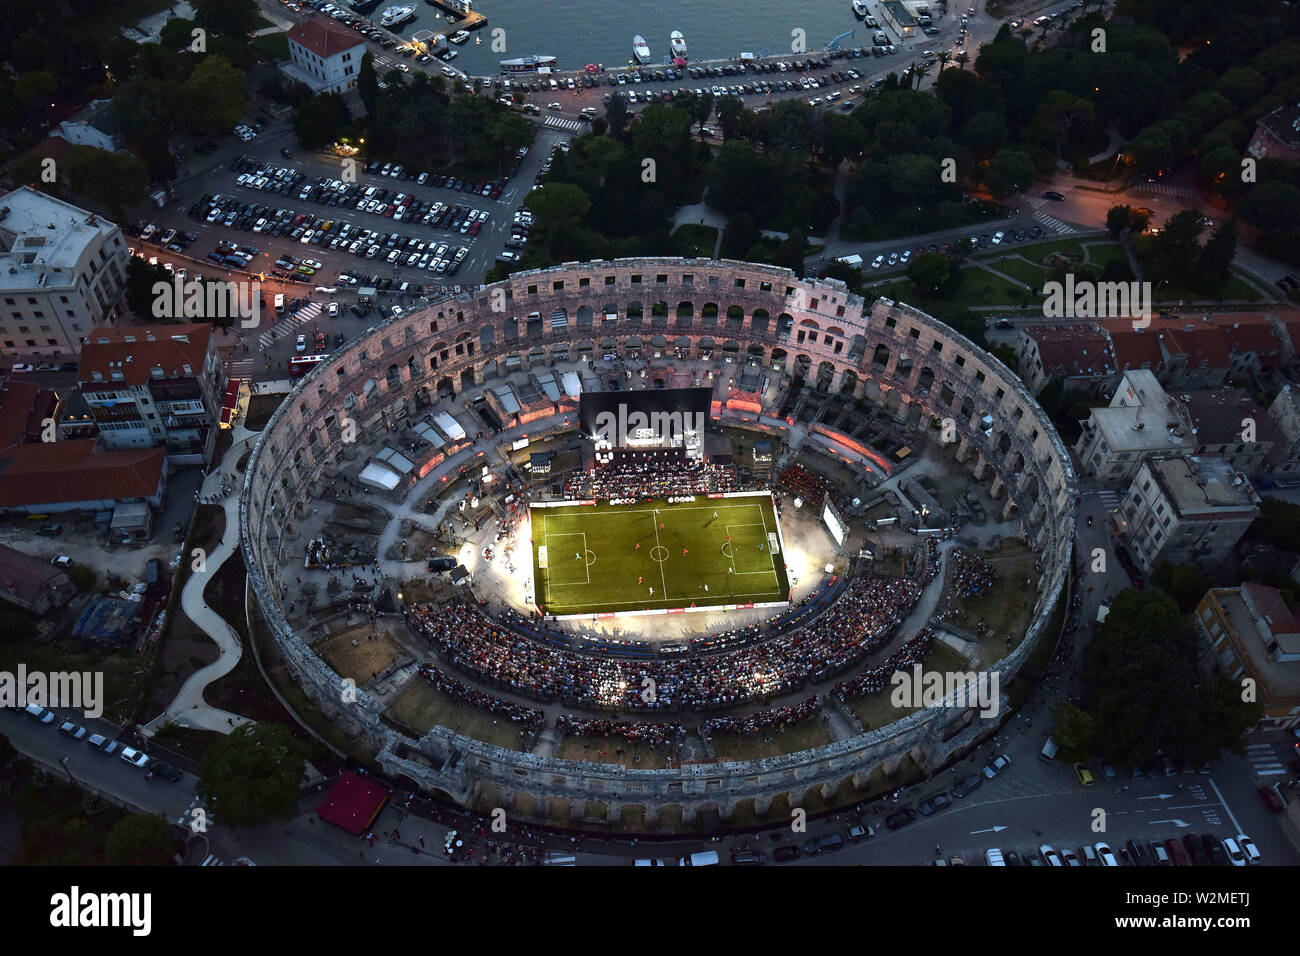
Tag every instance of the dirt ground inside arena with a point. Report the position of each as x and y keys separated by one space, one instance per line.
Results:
x=611 y=750
x=360 y=652
x=421 y=707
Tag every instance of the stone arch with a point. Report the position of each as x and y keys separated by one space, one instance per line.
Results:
x=778 y=359
x=730 y=349
x=585 y=317
x=848 y=382
x=634 y=312
x=659 y=310
x=487 y=337
x=467 y=378
x=682 y=345
x=881 y=356
x=760 y=322
x=685 y=310
x=925 y=380
x=825 y=375
x=445 y=388
x=755 y=354
x=610 y=313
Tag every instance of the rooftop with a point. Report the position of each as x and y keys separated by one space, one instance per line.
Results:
x=1217 y=415
x=131 y=355
x=323 y=37
x=43 y=239
x=1284 y=124
x=24 y=576
x=1259 y=618
x=1201 y=487
x=1071 y=351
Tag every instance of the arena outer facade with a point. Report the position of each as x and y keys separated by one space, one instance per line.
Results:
x=811 y=329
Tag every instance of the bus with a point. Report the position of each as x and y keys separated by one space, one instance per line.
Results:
x=300 y=365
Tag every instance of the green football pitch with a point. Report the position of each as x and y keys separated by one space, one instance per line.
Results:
x=654 y=555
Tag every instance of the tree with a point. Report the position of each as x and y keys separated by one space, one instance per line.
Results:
x=1185 y=583
x=1144 y=693
x=140 y=839
x=140 y=280
x=1271 y=206
x=251 y=776
x=701 y=108
x=320 y=120
x=616 y=115
x=929 y=271
x=213 y=96
x=790 y=252
x=368 y=81
x=1177 y=247
x=1118 y=219
x=962 y=59
x=1220 y=250
x=1073 y=731
x=559 y=206
x=228 y=17
x=118 y=180
x=1008 y=173
x=729 y=108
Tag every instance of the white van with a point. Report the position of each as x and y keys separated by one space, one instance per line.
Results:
x=1048 y=752
x=704 y=858
x=279 y=305
x=993 y=857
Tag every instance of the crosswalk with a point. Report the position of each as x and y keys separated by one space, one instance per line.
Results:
x=1166 y=189
x=308 y=313
x=242 y=369
x=212 y=860
x=1055 y=225
x=1265 y=761
x=559 y=122
x=1109 y=498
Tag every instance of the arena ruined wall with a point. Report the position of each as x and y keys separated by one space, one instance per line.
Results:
x=808 y=331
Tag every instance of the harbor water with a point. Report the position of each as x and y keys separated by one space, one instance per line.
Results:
x=579 y=32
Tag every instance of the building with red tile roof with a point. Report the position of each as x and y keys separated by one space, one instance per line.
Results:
x=150 y=386
x=325 y=55
x=66 y=475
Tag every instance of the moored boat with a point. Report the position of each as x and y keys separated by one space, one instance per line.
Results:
x=678 y=43
x=640 y=49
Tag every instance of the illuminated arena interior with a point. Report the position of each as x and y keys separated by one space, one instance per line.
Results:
x=858 y=489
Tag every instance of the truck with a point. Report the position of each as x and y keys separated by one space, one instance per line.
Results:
x=854 y=262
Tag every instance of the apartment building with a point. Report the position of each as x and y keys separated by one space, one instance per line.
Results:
x=62 y=275
x=1250 y=632
x=325 y=55
x=1185 y=510
x=150 y=387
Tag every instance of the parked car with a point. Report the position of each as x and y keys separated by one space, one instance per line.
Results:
x=1105 y=854
x=900 y=819
x=936 y=803
x=135 y=758
x=102 y=744
x=967 y=786
x=1248 y=849
x=784 y=853
x=73 y=730
x=39 y=714
x=160 y=768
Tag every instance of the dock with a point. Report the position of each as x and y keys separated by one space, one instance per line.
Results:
x=466 y=18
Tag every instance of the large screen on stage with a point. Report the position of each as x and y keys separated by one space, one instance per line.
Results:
x=653 y=418
x=833 y=523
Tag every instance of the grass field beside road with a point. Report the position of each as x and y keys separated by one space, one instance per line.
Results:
x=592 y=559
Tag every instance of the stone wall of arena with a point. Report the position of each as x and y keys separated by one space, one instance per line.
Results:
x=731 y=311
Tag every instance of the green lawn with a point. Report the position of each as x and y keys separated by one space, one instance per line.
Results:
x=696 y=240
x=586 y=558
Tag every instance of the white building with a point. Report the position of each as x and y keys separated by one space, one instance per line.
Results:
x=62 y=274
x=1185 y=510
x=324 y=55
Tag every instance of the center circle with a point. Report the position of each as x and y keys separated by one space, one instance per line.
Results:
x=659 y=553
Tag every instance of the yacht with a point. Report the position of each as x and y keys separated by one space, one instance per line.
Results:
x=395 y=16
x=860 y=9
x=678 y=43
x=640 y=50
x=460 y=36
x=529 y=64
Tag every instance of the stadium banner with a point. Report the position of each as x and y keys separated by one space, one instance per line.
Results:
x=667 y=610
x=541 y=557
x=559 y=504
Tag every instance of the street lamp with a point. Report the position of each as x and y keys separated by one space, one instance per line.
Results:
x=64 y=760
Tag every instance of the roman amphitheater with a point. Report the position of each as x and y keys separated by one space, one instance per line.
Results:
x=434 y=432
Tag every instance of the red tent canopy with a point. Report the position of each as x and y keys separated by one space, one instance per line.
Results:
x=353 y=802
x=230 y=401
